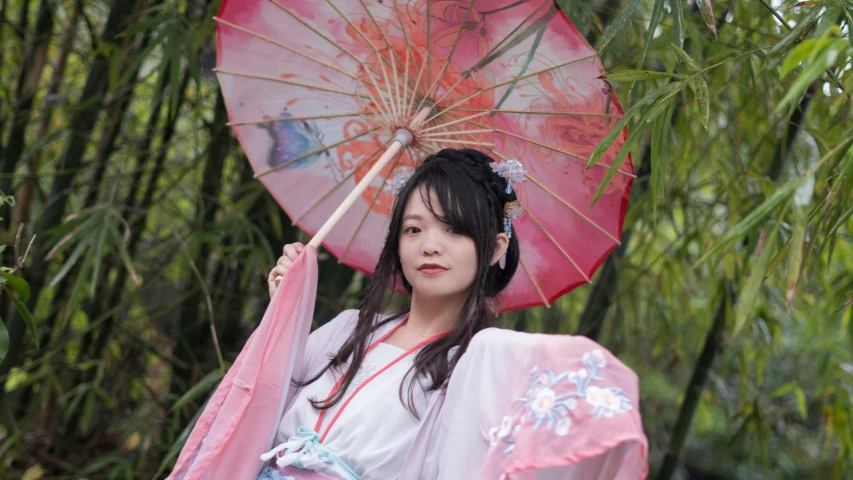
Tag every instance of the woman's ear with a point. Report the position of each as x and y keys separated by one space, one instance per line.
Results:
x=501 y=245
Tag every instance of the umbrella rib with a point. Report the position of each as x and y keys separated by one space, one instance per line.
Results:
x=289 y=49
x=437 y=143
x=316 y=30
x=587 y=219
x=288 y=82
x=451 y=133
x=557 y=197
x=370 y=207
x=535 y=283
x=555 y=149
x=428 y=55
x=292 y=119
x=408 y=54
x=454 y=122
x=510 y=34
x=424 y=66
x=334 y=44
x=390 y=64
x=467 y=73
x=540 y=112
x=357 y=30
x=326 y=195
x=554 y=241
x=315 y=152
x=437 y=79
x=460 y=100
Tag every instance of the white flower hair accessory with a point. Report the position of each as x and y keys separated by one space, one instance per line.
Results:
x=394 y=185
x=511 y=170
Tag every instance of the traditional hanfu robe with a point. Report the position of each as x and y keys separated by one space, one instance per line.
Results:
x=518 y=406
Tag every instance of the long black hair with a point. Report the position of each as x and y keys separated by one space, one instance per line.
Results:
x=471 y=199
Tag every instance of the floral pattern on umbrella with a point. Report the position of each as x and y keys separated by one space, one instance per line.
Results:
x=316 y=89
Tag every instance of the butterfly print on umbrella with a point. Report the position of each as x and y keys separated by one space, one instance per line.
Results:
x=292 y=140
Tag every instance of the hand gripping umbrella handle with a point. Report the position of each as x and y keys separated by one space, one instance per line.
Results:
x=402 y=139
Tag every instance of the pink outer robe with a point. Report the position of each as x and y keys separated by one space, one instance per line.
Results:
x=518 y=406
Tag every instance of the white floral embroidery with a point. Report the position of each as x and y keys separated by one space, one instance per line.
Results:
x=544 y=402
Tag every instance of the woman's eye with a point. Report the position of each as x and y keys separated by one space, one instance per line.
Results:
x=452 y=230
x=412 y=230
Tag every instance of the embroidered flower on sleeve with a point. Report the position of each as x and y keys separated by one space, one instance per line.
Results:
x=563 y=426
x=550 y=397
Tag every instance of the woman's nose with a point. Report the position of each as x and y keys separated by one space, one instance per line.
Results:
x=431 y=245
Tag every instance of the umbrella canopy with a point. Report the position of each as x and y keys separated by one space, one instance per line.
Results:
x=317 y=90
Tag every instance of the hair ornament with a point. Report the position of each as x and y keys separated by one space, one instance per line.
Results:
x=394 y=185
x=511 y=170
x=512 y=210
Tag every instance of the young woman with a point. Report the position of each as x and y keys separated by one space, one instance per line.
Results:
x=433 y=393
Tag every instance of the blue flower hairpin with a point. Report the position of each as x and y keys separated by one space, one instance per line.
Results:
x=394 y=185
x=511 y=170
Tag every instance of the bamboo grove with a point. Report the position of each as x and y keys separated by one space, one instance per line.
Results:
x=136 y=240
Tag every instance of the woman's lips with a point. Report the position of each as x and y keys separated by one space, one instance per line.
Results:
x=432 y=270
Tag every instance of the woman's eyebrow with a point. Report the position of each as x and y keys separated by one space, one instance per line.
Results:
x=412 y=216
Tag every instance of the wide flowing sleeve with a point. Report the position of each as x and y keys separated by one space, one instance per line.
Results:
x=240 y=419
x=525 y=406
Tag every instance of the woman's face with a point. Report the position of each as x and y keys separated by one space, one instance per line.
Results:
x=436 y=261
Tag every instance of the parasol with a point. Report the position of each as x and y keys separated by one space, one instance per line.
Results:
x=332 y=99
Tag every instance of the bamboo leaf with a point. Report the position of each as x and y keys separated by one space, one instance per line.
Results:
x=678 y=23
x=22 y=309
x=634 y=75
x=659 y=144
x=795 y=259
x=803 y=25
x=828 y=21
x=635 y=134
x=684 y=57
x=654 y=21
x=69 y=263
x=18 y=284
x=618 y=24
x=799 y=54
x=820 y=61
x=707 y=12
x=99 y=254
x=801 y=402
x=841 y=221
x=700 y=90
x=125 y=257
x=617 y=129
x=751 y=289
x=665 y=101
x=757 y=215
x=4 y=340
x=782 y=390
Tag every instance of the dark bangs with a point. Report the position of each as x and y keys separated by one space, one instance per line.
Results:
x=460 y=199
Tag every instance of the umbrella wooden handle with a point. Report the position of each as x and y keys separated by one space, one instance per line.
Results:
x=402 y=139
x=348 y=202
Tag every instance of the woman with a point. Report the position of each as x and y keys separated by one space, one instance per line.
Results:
x=422 y=395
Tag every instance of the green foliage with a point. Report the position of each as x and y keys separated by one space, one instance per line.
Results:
x=738 y=118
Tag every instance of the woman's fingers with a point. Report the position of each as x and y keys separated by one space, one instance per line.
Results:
x=292 y=250
x=277 y=272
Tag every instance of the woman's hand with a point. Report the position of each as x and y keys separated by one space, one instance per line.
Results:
x=291 y=251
